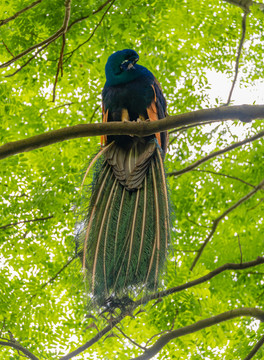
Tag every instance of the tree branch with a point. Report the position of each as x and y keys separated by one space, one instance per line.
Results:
x=216 y=153
x=5 y=21
x=97 y=337
x=202 y=324
x=17 y=346
x=131 y=340
x=143 y=128
x=93 y=32
x=225 y=175
x=255 y=349
x=209 y=276
x=25 y=221
x=217 y=220
x=59 y=66
x=146 y=299
x=28 y=61
x=58 y=273
x=44 y=42
x=244 y=19
x=7 y=48
x=87 y=16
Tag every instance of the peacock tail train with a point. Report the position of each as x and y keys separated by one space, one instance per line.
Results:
x=123 y=239
x=124 y=232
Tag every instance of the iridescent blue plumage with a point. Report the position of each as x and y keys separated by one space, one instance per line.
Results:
x=126 y=231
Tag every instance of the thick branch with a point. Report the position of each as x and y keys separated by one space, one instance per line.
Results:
x=146 y=299
x=202 y=324
x=132 y=128
x=17 y=346
x=216 y=153
x=245 y=4
x=217 y=220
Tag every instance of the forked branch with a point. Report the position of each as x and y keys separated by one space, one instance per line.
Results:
x=221 y=217
x=202 y=324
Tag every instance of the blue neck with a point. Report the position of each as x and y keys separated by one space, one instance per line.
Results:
x=122 y=77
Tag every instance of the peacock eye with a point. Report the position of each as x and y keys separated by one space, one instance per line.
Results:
x=125 y=61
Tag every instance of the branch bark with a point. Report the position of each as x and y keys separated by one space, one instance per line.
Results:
x=209 y=276
x=5 y=21
x=216 y=153
x=146 y=299
x=244 y=20
x=17 y=346
x=97 y=337
x=132 y=128
x=255 y=349
x=52 y=38
x=217 y=220
x=202 y=324
x=25 y=221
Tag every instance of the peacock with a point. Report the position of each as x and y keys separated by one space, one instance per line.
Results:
x=124 y=235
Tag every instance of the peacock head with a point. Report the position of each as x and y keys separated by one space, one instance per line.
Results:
x=120 y=67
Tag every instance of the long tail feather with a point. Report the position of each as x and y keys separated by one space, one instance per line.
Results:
x=124 y=237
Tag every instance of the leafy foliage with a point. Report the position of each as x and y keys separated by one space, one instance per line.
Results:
x=45 y=308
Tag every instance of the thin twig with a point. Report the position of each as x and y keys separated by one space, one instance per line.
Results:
x=225 y=175
x=255 y=349
x=60 y=62
x=131 y=340
x=183 y=128
x=94 y=112
x=57 y=107
x=92 y=34
x=254 y=207
x=26 y=221
x=195 y=223
x=87 y=16
x=216 y=153
x=96 y=338
x=5 y=21
x=28 y=61
x=161 y=333
x=60 y=66
x=7 y=48
x=58 y=273
x=221 y=217
x=240 y=249
x=238 y=55
x=53 y=278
